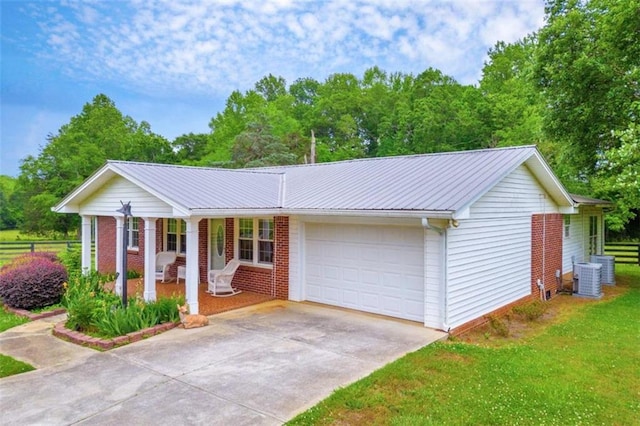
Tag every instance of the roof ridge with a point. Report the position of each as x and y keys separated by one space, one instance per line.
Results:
x=183 y=166
x=404 y=156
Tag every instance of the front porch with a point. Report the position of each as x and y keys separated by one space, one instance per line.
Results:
x=208 y=304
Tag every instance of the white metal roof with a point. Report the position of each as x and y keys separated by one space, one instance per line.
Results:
x=442 y=183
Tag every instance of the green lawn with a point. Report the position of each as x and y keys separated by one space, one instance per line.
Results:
x=8 y=365
x=583 y=369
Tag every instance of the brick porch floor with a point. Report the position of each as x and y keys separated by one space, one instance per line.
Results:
x=208 y=304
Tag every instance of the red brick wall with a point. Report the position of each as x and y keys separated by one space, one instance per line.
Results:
x=546 y=249
x=106 y=244
x=107 y=237
x=259 y=280
x=273 y=281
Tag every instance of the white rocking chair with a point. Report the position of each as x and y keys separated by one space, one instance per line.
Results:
x=164 y=260
x=220 y=280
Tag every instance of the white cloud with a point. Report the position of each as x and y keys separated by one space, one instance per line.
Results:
x=195 y=47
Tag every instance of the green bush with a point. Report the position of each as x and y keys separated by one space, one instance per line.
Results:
x=499 y=326
x=32 y=282
x=84 y=298
x=72 y=259
x=93 y=310
x=531 y=311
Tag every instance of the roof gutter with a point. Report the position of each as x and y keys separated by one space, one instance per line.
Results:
x=257 y=211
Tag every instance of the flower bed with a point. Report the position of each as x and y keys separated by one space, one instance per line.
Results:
x=61 y=331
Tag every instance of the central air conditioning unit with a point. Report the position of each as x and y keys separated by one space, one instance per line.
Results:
x=608 y=267
x=587 y=280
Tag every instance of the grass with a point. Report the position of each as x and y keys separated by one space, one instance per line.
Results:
x=8 y=365
x=51 y=243
x=580 y=367
x=16 y=235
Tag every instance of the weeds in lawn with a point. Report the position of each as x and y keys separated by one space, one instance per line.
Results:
x=499 y=325
x=531 y=311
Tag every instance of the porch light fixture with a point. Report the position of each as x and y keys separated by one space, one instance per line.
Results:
x=126 y=211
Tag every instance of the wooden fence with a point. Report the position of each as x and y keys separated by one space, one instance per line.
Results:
x=11 y=249
x=628 y=253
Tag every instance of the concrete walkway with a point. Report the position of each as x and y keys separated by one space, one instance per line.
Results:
x=259 y=365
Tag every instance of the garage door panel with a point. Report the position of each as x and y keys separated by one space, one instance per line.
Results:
x=350 y=275
x=369 y=300
x=370 y=268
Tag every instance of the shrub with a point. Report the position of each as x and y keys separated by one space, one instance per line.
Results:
x=27 y=258
x=32 y=283
x=93 y=310
x=84 y=298
x=132 y=274
x=499 y=326
x=72 y=259
x=531 y=311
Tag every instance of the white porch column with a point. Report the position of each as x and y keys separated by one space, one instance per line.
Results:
x=149 y=258
x=86 y=244
x=192 y=279
x=119 y=253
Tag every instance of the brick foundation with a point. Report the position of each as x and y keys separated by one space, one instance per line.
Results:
x=468 y=326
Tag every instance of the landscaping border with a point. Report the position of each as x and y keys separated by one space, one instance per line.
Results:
x=60 y=331
x=32 y=316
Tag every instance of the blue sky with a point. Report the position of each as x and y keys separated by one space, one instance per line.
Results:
x=174 y=63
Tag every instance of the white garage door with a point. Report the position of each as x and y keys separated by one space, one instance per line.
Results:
x=375 y=269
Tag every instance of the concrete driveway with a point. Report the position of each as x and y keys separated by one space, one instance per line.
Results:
x=259 y=365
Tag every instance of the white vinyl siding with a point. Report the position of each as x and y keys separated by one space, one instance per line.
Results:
x=489 y=266
x=515 y=195
x=573 y=248
x=106 y=201
x=434 y=280
x=576 y=246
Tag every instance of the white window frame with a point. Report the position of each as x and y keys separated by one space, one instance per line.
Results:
x=567 y=225
x=181 y=236
x=256 y=240
x=133 y=228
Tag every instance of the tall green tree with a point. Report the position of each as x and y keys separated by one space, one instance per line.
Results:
x=258 y=146
x=619 y=176
x=190 y=148
x=10 y=216
x=99 y=133
x=240 y=109
x=588 y=67
x=515 y=102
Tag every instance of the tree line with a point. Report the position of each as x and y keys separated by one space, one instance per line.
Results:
x=571 y=89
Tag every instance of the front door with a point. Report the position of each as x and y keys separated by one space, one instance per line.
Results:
x=216 y=243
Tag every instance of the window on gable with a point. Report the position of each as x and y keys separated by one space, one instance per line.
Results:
x=567 y=226
x=175 y=236
x=133 y=233
x=255 y=240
